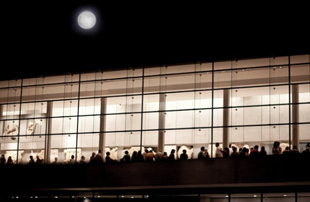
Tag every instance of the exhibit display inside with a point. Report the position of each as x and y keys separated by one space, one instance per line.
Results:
x=240 y=102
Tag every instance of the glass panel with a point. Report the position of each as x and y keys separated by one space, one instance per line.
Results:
x=90 y=76
x=63 y=147
x=279 y=75
x=152 y=71
x=179 y=119
x=122 y=73
x=119 y=87
x=32 y=110
x=204 y=67
x=150 y=139
x=10 y=111
x=151 y=102
x=151 y=120
x=10 y=128
x=170 y=83
x=64 y=125
x=222 y=79
x=32 y=146
x=303 y=197
x=14 y=83
x=300 y=73
x=261 y=135
x=4 y=95
x=218 y=98
x=89 y=124
x=250 y=77
x=88 y=143
x=117 y=143
x=180 y=100
x=33 y=127
x=89 y=107
x=190 y=140
x=218 y=117
x=61 y=91
x=252 y=197
x=188 y=100
x=115 y=74
x=253 y=62
x=223 y=65
x=263 y=115
x=259 y=96
x=122 y=122
x=87 y=89
x=152 y=84
x=275 y=197
x=180 y=68
x=8 y=147
x=65 y=108
x=304 y=93
x=33 y=93
x=55 y=79
x=214 y=198
x=295 y=59
x=303 y=113
x=304 y=137
x=4 y=84
x=12 y=96
x=123 y=104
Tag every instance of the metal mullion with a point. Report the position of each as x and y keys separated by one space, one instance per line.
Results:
x=156 y=75
x=142 y=105
x=250 y=68
x=155 y=93
x=290 y=101
x=176 y=110
x=300 y=83
x=177 y=74
x=191 y=128
x=212 y=110
x=111 y=79
x=19 y=119
x=50 y=84
x=250 y=106
x=218 y=70
x=252 y=86
x=175 y=92
x=77 y=118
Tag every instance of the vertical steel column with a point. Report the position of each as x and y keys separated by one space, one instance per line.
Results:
x=295 y=115
x=226 y=99
x=77 y=118
x=48 y=132
x=290 y=103
x=103 y=111
x=212 y=109
x=142 y=106
x=161 y=122
x=19 y=118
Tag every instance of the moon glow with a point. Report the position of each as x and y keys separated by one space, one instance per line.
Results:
x=86 y=20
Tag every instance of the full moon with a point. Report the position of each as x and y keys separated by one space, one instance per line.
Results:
x=86 y=20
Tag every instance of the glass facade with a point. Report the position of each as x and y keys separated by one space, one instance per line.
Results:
x=245 y=103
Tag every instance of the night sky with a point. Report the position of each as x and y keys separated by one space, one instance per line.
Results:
x=42 y=37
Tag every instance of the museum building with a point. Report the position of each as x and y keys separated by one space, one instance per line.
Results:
x=242 y=103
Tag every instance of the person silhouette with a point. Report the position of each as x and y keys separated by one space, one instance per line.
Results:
x=183 y=156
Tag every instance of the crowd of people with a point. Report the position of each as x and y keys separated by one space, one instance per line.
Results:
x=149 y=155
x=232 y=152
